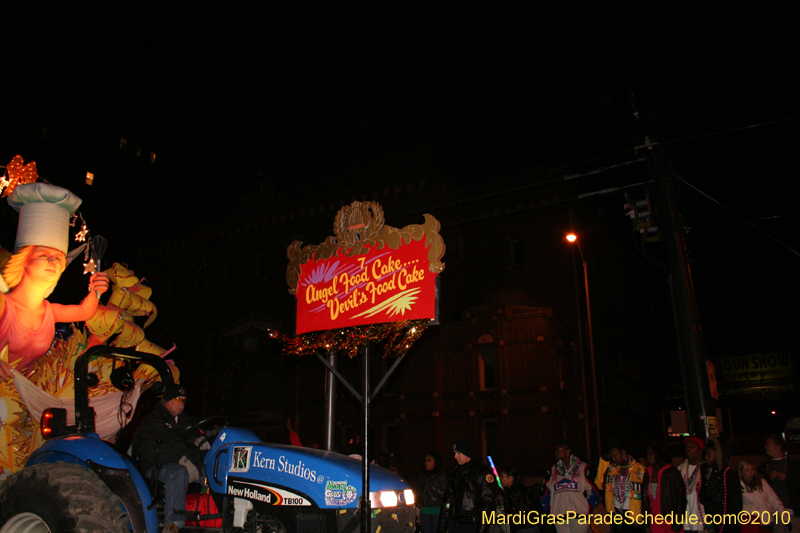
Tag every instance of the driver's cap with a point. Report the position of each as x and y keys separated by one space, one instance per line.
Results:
x=172 y=392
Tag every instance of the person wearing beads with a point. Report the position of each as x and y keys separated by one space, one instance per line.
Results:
x=569 y=489
x=783 y=474
x=624 y=484
x=666 y=493
x=720 y=491
x=690 y=472
x=759 y=499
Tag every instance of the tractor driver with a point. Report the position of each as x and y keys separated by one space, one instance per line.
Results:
x=167 y=451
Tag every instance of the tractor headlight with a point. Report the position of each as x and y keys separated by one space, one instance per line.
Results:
x=388 y=498
x=391 y=498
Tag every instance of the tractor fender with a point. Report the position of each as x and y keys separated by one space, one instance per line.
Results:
x=84 y=447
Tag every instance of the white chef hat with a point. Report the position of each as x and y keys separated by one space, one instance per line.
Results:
x=44 y=213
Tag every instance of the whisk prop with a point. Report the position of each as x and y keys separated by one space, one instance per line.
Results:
x=99 y=245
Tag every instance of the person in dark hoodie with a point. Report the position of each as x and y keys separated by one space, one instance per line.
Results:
x=170 y=453
x=470 y=492
x=666 y=492
x=720 y=489
x=517 y=501
x=432 y=486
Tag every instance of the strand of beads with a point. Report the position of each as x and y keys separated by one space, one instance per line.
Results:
x=622 y=483
x=724 y=497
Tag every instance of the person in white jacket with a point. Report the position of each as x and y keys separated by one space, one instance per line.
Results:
x=570 y=494
x=759 y=500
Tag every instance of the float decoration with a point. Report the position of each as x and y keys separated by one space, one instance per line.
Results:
x=399 y=337
x=40 y=375
x=17 y=173
x=370 y=276
x=50 y=383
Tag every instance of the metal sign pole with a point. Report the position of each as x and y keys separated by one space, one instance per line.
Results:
x=330 y=403
x=366 y=516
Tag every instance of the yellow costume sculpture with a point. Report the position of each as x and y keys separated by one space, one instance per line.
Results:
x=35 y=371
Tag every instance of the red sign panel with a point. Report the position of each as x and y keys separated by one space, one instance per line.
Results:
x=382 y=285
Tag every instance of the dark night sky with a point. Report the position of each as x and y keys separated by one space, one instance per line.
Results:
x=498 y=89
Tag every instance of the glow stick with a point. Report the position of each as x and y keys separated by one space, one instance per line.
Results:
x=496 y=475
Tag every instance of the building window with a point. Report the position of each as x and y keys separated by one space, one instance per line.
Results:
x=89 y=178
x=152 y=158
x=487 y=367
x=123 y=144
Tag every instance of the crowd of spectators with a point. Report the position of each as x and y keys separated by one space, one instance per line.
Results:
x=702 y=492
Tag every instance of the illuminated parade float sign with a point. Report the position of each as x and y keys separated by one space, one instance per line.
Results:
x=368 y=273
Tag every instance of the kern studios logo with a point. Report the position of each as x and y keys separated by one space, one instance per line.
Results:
x=240 y=459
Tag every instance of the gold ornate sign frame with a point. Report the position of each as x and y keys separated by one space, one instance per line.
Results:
x=359 y=225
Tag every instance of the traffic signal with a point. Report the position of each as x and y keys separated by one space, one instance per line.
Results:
x=643 y=217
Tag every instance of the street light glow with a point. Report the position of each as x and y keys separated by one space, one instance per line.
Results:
x=572 y=237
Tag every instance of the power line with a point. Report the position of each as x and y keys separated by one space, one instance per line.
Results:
x=723 y=132
x=635 y=149
x=731 y=211
x=603 y=169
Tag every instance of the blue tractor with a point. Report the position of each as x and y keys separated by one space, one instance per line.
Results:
x=77 y=482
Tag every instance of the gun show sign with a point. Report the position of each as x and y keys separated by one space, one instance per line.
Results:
x=367 y=273
x=758 y=370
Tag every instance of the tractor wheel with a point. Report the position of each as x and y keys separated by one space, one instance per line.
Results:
x=59 y=497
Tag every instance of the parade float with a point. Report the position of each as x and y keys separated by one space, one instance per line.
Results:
x=256 y=486
x=36 y=366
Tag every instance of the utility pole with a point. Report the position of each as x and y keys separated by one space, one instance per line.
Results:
x=691 y=345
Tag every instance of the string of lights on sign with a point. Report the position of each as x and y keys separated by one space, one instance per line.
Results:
x=397 y=336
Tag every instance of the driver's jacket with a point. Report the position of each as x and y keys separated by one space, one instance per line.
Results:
x=174 y=435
